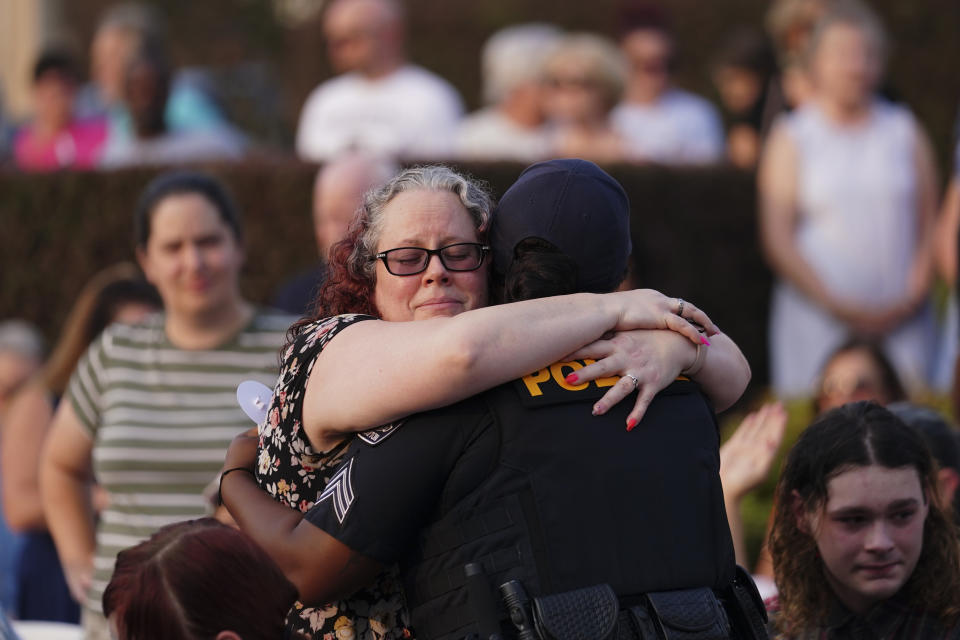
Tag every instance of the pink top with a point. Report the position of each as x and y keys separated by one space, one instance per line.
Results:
x=78 y=147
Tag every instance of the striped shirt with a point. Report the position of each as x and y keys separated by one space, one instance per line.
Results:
x=161 y=419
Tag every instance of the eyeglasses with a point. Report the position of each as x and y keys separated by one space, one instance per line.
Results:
x=409 y=261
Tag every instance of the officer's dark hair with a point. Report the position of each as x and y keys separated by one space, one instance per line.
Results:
x=182 y=183
x=538 y=270
x=854 y=435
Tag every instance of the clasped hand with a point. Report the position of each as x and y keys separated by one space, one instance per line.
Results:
x=648 y=351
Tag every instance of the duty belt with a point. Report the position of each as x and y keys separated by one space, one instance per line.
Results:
x=595 y=613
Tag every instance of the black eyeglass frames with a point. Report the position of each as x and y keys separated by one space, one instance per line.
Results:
x=409 y=261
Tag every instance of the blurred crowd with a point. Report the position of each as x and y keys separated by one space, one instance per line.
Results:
x=849 y=206
x=549 y=93
x=853 y=223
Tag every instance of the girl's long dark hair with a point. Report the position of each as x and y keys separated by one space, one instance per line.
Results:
x=858 y=434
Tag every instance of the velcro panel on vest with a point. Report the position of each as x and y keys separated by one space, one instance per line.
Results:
x=505 y=518
x=496 y=539
x=446 y=580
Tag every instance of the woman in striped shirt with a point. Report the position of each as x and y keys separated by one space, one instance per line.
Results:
x=151 y=408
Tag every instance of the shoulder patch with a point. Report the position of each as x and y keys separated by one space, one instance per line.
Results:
x=373 y=437
x=340 y=491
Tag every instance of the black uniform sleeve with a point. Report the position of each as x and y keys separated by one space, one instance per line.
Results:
x=385 y=492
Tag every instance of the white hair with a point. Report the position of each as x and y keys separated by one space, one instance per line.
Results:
x=514 y=56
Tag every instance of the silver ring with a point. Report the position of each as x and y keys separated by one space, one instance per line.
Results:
x=636 y=383
x=680 y=307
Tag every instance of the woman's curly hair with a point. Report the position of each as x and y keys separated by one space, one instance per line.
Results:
x=858 y=434
x=351 y=268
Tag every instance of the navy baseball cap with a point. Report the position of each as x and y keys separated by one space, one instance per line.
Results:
x=576 y=206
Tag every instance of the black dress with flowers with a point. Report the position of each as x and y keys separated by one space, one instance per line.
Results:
x=290 y=471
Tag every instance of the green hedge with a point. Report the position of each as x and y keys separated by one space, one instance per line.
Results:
x=694 y=236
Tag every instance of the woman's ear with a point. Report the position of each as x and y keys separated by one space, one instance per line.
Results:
x=228 y=635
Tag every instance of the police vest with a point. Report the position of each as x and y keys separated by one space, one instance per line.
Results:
x=576 y=500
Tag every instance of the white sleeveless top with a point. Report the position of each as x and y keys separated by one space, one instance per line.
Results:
x=857 y=228
x=857 y=198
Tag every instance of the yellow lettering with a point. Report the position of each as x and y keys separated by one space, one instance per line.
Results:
x=534 y=379
x=602 y=382
x=557 y=370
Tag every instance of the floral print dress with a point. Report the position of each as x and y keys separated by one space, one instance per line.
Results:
x=294 y=474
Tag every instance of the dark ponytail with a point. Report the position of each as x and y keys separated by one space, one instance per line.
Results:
x=538 y=270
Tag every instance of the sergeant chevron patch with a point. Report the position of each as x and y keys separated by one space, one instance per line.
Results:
x=340 y=491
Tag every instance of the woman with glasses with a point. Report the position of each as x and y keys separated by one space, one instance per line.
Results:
x=416 y=251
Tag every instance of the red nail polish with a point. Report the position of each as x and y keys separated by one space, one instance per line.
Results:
x=704 y=341
x=631 y=423
x=572 y=378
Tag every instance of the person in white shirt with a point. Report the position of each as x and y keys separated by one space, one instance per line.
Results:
x=511 y=127
x=380 y=103
x=660 y=122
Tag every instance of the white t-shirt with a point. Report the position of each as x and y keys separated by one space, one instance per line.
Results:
x=679 y=128
x=411 y=113
x=490 y=135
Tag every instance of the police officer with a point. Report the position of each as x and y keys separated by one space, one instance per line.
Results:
x=521 y=486
x=580 y=523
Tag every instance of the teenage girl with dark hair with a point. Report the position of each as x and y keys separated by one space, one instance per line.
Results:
x=862 y=544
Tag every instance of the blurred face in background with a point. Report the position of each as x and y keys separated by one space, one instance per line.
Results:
x=574 y=93
x=191 y=256
x=851 y=376
x=110 y=54
x=845 y=66
x=361 y=35
x=53 y=94
x=739 y=87
x=648 y=53
x=337 y=194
